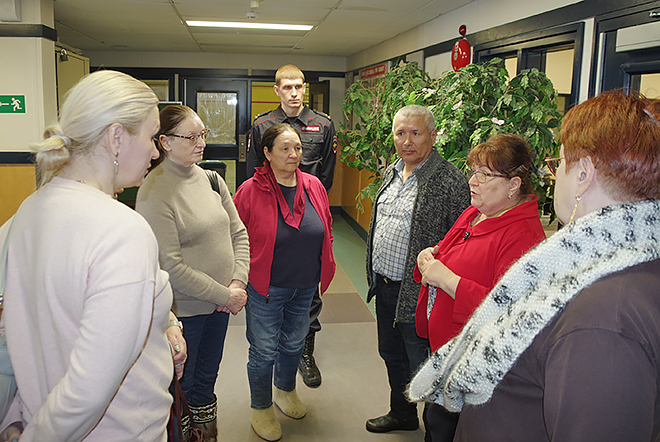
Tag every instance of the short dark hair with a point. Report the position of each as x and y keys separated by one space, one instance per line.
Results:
x=621 y=134
x=270 y=136
x=507 y=154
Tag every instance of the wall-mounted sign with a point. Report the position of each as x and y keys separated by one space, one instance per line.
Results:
x=374 y=71
x=12 y=104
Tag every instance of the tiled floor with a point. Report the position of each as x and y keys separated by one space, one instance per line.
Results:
x=354 y=378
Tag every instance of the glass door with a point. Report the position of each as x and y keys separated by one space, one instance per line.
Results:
x=223 y=107
x=629 y=51
x=556 y=52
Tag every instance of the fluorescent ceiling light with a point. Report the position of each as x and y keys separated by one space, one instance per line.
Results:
x=245 y=25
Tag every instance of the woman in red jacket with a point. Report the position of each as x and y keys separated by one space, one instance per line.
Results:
x=499 y=226
x=287 y=216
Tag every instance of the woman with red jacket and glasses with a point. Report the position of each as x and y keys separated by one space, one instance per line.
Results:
x=499 y=226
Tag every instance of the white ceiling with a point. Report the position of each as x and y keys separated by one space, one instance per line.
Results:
x=341 y=27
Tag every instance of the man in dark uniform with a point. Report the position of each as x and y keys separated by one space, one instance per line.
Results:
x=319 y=142
x=317 y=132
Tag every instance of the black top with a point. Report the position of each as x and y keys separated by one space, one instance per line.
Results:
x=317 y=135
x=297 y=254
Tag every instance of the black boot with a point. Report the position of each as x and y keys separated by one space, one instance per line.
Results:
x=310 y=372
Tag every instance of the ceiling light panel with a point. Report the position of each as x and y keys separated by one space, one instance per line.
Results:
x=250 y=25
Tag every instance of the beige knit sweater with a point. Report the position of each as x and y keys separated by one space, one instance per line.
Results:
x=203 y=243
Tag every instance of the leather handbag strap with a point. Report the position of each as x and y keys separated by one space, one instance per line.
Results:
x=213 y=178
x=180 y=409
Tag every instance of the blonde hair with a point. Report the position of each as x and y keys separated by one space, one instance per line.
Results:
x=97 y=101
x=288 y=72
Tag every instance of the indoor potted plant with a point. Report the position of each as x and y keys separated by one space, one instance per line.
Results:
x=470 y=105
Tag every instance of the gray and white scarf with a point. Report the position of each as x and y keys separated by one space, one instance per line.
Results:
x=529 y=296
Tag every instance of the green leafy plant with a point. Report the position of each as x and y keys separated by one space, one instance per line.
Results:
x=469 y=105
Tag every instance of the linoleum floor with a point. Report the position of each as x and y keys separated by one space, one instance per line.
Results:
x=354 y=386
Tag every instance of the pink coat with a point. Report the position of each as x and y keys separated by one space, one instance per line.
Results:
x=86 y=308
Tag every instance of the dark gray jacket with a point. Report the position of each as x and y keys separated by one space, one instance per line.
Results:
x=442 y=195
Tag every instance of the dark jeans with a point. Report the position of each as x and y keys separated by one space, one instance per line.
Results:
x=399 y=346
x=314 y=311
x=440 y=423
x=205 y=338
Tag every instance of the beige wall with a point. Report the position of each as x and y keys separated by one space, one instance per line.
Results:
x=215 y=60
x=28 y=68
x=559 y=69
x=477 y=16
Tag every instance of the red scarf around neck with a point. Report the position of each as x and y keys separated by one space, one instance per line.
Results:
x=292 y=219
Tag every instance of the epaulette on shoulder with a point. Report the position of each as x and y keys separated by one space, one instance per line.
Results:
x=323 y=114
x=262 y=114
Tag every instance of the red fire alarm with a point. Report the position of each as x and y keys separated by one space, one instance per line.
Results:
x=460 y=54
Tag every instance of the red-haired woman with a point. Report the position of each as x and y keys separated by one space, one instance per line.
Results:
x=566 y=346
x=499 y=226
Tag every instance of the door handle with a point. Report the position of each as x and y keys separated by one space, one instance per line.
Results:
x=242 y=147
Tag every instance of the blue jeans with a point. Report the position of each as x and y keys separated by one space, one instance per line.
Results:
x=205 y=338
x=276 y=330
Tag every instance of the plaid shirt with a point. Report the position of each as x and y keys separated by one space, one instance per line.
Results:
x=392 y=229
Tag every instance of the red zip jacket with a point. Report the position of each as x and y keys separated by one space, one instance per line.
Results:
x=480 y=256
x=256 y=202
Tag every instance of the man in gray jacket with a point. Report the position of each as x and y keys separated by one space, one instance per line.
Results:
x=421 y=197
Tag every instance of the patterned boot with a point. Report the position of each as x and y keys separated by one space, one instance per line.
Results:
x=205 y=418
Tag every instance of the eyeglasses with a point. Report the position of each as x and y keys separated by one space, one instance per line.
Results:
x=192 y=139
x=553 y=164
x=482 y=176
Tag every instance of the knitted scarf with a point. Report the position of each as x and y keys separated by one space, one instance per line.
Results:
x=530 y=295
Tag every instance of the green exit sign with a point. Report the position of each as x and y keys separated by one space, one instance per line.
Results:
x=12 y=104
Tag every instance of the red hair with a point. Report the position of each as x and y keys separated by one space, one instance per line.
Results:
x=621 y=134
x=507 y=154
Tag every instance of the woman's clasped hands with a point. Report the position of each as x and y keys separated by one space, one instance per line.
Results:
x=435 y=273
x=237 y=298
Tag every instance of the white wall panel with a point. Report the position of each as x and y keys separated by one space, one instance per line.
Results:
x=477 y=16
